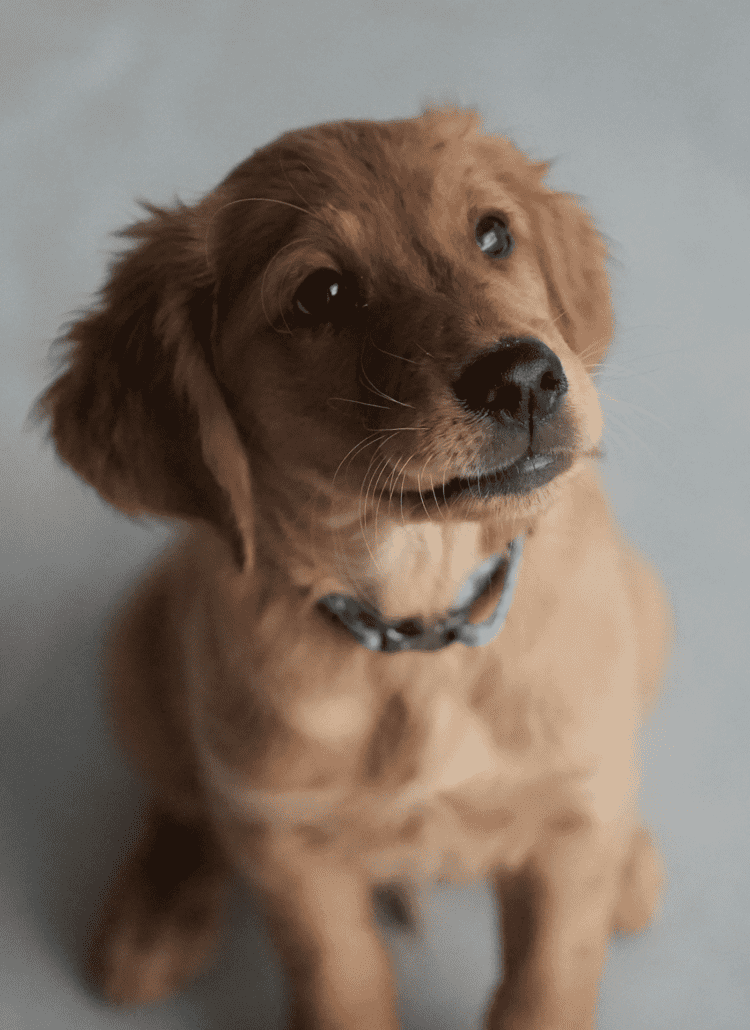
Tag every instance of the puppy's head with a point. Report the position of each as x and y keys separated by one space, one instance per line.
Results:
x=397 y=315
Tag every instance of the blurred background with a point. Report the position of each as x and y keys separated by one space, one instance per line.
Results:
x=645 y=107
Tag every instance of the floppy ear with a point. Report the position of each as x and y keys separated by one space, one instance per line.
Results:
x=573 y=256
x=139 y=413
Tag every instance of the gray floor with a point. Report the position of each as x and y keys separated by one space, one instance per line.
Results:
x=647 y=109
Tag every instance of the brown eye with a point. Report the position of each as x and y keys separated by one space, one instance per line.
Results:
x=493 y=236
x=326 y=296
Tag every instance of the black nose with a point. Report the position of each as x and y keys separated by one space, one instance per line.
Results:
x=519 y=379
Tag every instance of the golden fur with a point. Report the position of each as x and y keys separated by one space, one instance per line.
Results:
x=273 y=742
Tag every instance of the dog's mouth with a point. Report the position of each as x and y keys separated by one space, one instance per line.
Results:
x=525 y=474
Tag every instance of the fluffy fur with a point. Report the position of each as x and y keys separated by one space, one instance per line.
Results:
x=311 y=456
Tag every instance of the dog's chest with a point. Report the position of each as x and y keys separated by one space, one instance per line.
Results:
x=459 y=794
x=441 y=787
x=413 y=767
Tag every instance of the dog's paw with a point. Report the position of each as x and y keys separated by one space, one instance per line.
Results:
x=642 y=884
x=162 y=920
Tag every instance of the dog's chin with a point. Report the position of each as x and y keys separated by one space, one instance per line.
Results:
x=521 y=478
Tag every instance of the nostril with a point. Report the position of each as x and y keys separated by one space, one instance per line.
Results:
x=552 y=388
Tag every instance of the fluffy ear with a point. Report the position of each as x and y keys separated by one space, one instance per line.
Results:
x=573 y=256
x=139 y=413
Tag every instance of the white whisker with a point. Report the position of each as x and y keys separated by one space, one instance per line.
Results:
x=380 y=393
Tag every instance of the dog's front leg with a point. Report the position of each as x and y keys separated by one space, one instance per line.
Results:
x=556 y=919
x=319 y=911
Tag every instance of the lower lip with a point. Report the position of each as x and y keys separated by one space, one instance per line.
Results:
x=522 y=477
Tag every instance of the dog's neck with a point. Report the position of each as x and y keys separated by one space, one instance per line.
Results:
x=400 y=569
x=418 y=569
x=377 y=633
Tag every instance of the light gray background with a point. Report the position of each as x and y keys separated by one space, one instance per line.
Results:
x=646 y=107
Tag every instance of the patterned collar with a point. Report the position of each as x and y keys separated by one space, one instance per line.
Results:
x=378 y=634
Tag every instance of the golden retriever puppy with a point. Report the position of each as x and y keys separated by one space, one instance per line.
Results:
x=403 y=637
